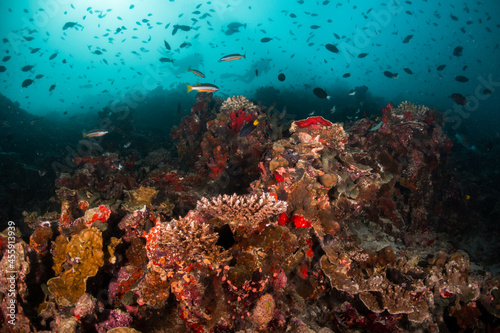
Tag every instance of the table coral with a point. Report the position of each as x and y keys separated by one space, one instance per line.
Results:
x=248 y=210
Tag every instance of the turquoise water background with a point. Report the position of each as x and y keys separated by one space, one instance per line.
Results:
x=299 y=30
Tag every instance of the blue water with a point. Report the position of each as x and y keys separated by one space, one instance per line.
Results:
x=376 y=28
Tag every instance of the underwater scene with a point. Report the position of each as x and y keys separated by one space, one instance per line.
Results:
x=249 y=166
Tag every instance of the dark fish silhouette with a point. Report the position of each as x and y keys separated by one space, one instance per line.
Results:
x=167 y=46
x=27 y=68
x=236 y=26
x=332 y=48
x=407 y=39
x=362 y=55
x=53 y=56
x=6 y=58
x=457 y=52
x=459 y=99
x=320 y=93
x=461 y=78
x=69 y=25
x=391 y=75
x=346 y=75
x=52 y=87
x=248 y=128
x=407 y=70
x=2 y=69
x=281 y=77
x=27 y=83
x=181 y=27
x=266 y=39
x=441 y=67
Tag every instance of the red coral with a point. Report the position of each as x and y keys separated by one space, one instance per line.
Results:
x=278 y=177
x=303 y=271
x=385 y=111
x=312 y=122
x=408 y=115
x=238 y=118
x=172 y=178
x=283 y=219
x=101 y=213
x=300 y=222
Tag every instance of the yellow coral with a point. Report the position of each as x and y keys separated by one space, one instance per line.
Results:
x=60 y=253
x=85 y=251
x=123 y=330
x=112 y=247
x=140 y=198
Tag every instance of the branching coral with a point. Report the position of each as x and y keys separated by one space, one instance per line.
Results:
x=181 y=242
x=178 y=253
x=156 y=156
x=236 y=103
x=246 y=209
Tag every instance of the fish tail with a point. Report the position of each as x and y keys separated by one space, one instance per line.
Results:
x=245 y=56
x=84 y=134
x=189 y=69
x=189 y=88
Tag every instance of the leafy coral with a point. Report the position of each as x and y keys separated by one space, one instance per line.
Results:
x=86 y=257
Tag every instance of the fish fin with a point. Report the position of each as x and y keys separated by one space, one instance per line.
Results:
x=189 y=87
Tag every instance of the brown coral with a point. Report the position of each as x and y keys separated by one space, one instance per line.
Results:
x=86 y=255
x=40 y=240
x=264 y=310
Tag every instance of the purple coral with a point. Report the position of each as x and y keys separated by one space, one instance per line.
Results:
x=112 y=319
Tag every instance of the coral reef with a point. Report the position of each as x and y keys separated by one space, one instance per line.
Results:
x=329 y=229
